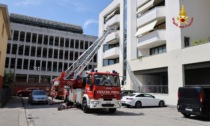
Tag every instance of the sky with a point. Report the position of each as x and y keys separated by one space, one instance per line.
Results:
x=84 y=13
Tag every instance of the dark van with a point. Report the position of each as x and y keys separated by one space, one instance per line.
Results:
x=194 y=101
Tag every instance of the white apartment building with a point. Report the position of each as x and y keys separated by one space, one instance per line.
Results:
x=160 y=45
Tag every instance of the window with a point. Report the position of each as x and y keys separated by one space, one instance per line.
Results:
x=61 y=54
x=50 y=53
x=54 y=66
x=7 y=63
x=44 y=53
x=28 y=37
x=71 y=55
x=81 y=44
x=186 y=41
x=45 y=40
x=43 y=65
x=25 y=64
x=67 y=43
x=77 y=44
x=49 y=65
x=56 y=53
x=32 y=65
x=40 y=39
x=56 y=41
x=38 y=52
x=66 y=55
x=12 y=64
x=8 y=48
x=107 y=62
x=158 y=50
x=16 y=35
x=72 y=43
x=34 y=38
x=61 y=42
x=60 y=66
x=51 y=40
x=33 y=50
x=22 y=36
x=14 y=48
x=86 y=44
x=19 y=64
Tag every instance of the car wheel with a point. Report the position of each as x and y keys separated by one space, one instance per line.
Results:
x=186 y=115
x=161 y=104
x=85 y=106
x=138 y=104
x=112 y=110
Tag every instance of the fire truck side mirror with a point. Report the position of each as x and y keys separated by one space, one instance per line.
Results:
x=122 y=82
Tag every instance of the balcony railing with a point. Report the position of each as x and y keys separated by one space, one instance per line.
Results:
x=156 y=38
x=161 y=89
x=156 y=13
x=111 y=53
x=114 y=20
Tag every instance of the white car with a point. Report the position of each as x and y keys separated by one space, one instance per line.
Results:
x=141 y=99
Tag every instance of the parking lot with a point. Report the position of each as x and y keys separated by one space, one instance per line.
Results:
x=48 y=115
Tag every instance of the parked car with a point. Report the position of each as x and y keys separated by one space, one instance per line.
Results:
x=25 y=92
x=141 y=99
x=127 y=92
x=38 y=96
x=194 y=101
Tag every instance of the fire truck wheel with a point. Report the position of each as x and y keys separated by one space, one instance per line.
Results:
x=112 y=110
x=84 y=106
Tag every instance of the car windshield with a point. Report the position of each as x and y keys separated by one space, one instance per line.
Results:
x=106 y=80
x=38 y=92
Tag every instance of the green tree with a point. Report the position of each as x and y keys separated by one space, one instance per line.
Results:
x=8 y=78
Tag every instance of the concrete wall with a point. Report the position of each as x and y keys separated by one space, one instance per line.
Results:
x=199 y=10
x=4 y=35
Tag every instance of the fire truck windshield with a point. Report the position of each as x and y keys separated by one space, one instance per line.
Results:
x=106 y=80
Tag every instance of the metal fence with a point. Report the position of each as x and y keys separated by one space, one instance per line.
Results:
x=4 y=96
x=162 y=89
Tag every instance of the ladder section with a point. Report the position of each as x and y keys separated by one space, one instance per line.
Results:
x=79 y=65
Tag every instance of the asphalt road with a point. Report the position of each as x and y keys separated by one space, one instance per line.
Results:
x=48 y=115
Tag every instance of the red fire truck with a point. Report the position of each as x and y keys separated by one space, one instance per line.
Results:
x=92 y=90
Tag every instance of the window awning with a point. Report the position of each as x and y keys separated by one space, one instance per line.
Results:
x=146 y=6
x=111 y=14
x=146 y=28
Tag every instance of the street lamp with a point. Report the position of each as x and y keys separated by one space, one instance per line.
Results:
x=14 y=77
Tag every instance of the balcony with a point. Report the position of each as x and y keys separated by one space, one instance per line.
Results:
x=156 y=13
x=112 y=38
x=141 y=2
x=112 y=21
x=152 y=39
x=148 y=5
x=112 y=53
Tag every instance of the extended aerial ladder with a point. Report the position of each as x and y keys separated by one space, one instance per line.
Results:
x=79 y=65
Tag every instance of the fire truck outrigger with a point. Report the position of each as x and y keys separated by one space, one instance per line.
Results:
x=93 y=89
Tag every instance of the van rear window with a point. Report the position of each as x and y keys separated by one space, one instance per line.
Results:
x=189 y=92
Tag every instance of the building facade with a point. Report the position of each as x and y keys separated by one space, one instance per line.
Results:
x=40 y=50
x=160 y=45
x=4 y=36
